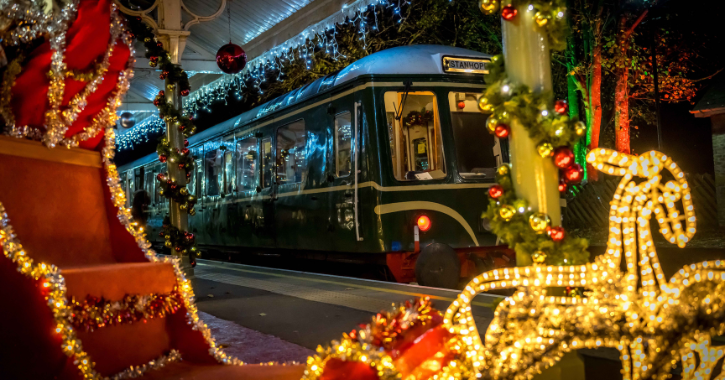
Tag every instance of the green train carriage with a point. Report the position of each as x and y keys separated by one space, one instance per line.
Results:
x=387 y=161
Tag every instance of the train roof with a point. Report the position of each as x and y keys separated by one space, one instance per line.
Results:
x=402 y=60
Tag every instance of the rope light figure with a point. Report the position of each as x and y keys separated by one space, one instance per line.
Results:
x=653 y=323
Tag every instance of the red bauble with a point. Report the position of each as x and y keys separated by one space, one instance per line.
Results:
x=556 y=233
x=185 y=151
x=495 y=191
x=163 y=74
x=562 y=185
x=157 y=101
x=574 y=174
x=161 y=93
x=561 y=107
x=231 y=59
x=563 y=157
x=185 y=92
x=162 y=158
x=160 y=176
x=508 y=12
x=461 y=105
x=502 y=131
x=186 y=142
x=181 y=166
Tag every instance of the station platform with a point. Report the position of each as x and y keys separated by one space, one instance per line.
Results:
x=308 y=309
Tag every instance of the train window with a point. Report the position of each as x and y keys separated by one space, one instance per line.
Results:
x=197 y=178
x=149 y=183
x=343 y=144
x=291 y=152
x=156 y=196
x=469 y=124
x=414 y=133
x=266 y=162
x=213 y=168
x=247 y=159
x=228 y=172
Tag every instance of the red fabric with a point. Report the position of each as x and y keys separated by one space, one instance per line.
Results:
x=114 y=281
x=87 y=41
x=337 y=369
x=424 y=348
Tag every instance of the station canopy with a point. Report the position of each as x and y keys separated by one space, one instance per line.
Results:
x=260 y=27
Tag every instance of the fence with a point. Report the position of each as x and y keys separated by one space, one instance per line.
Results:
x=589 y=207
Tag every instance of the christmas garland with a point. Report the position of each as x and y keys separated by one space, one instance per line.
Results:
x=94 y=312
x=528 y=232
x=180 y=241
x=548 y=15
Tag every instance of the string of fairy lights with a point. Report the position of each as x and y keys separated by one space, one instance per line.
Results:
x=321 y=35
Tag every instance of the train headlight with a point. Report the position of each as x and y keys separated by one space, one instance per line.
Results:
x=424 y=223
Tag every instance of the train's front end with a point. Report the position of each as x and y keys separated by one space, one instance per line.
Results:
x=436 y=162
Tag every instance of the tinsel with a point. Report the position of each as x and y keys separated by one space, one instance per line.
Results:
x=93 y=313
x=138 y=371
x=517 y=233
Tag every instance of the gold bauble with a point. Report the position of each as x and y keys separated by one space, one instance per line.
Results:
x=506 y=212
x=539 y=257
x=540 y=19
x=183 y=191
x=545 y=149
x=539 y=221
x=183 y=207
x=170 y=86
x=192 y=212
x=504 y=169
x=580 y=128
x=168 y=244
x=191 y=198
x=484 y=105
x=491 y=124
x=167 y=237
x=488 y=6
x=520 y=205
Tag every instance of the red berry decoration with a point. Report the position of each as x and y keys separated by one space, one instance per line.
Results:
x=561 y=107
x=562 y=185
x=185 y=92
x=556 y=233
x=563 y=157
x=495 y=191
x=162 y=158
x=163 y=74
x=502 y=131
x=508 y=12
x=461 y=105
x=231 y=58
x=574 y=174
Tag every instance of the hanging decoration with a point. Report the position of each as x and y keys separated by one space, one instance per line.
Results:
x=231 y=58
x=127 y=120
x=547 y=14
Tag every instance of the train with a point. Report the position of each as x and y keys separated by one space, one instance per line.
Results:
x=387 y=161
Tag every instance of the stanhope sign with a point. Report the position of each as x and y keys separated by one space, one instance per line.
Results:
x=465 y=65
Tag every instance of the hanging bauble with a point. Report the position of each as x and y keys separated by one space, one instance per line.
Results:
x=127 y=120
x=580 y=128
x=502 y=131
x=162 y=158
x=563 y=157
x=488 y=6
x=509 y=12
x=161 y=177
x=484 y=105
x=574 y=174
x=504 y=169
x=545 y=149
x=506 y=212
x=562 y=185
x=539 y=257
x=186 y=142
x=231 y=58
x=556 y=233
x=539 y=221
x=185 y=92
x=561 y=107
x=495 y=191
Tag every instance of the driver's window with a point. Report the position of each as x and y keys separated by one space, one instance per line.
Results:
x=414 y=133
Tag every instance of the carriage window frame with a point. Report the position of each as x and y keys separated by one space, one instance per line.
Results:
x=336 y=144
x=228 y=183
x=278 y=155
x=266 y=163
x=483 y=172
x=256 y=172
x=207 y=176
x=399 y=152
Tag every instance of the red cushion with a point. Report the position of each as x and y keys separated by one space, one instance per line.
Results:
x=190 y=371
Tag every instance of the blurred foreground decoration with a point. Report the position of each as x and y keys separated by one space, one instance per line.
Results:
x=654 y=323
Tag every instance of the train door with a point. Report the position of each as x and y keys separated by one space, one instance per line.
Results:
x=290 y=210
x=195 y=188
x=246 y=186
x=263 y=201
x=228 y=213
x=158 y=207
x=213 y=190
x=344 y=140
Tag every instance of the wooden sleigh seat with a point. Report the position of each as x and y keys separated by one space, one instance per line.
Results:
x=59 y=206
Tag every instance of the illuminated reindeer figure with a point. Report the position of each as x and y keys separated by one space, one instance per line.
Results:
x=652 y=322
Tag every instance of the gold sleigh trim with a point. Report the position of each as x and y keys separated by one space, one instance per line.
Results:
x=653 y=323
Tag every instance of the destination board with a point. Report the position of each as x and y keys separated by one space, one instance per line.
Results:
x=465 y=65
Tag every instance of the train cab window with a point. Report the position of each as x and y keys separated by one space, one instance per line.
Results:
x=414 y=133
x=291 y=152
x=247 y=161
x=475 y=161
x=213 y=170
x=343 y=144
x=266 y=162
x=228 y=181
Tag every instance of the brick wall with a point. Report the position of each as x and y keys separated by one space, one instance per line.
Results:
x=718 y=152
